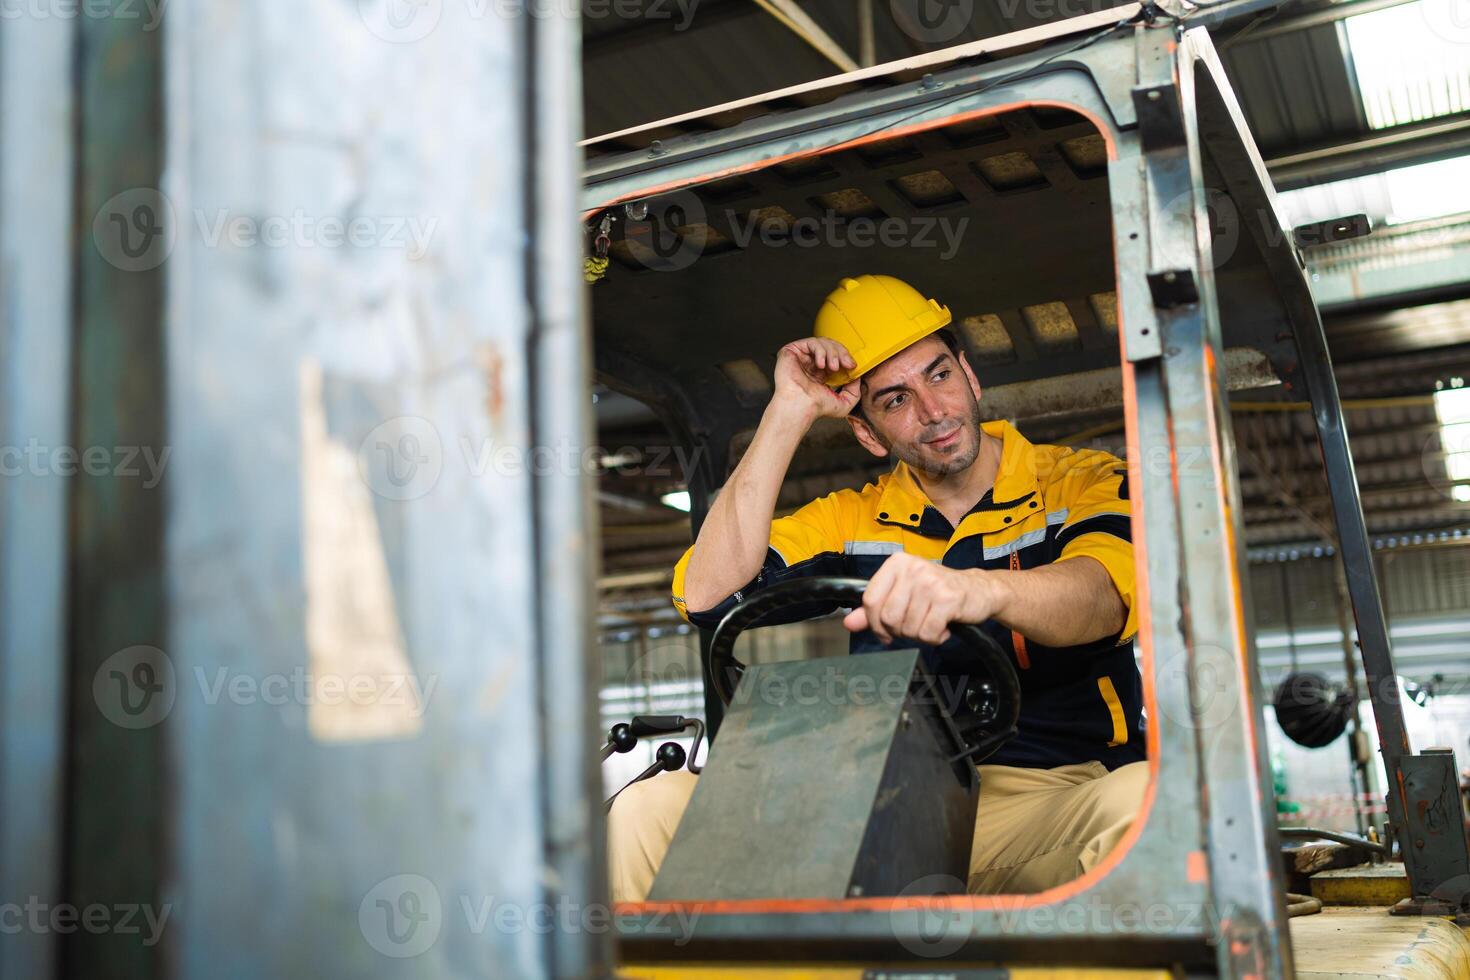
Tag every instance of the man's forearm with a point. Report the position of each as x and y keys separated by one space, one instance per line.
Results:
x=1066 y=603
x=733 y=540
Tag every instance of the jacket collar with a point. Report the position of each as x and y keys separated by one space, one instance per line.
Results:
x=903 y=501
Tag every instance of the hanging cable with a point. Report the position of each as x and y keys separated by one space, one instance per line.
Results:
x=1290 y=624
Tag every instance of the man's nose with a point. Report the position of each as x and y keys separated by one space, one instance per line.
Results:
x=931 y=409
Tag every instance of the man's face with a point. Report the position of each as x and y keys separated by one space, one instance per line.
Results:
x=922 y=405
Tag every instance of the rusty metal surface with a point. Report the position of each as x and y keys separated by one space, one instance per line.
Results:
x=310 y=658
x=1434 y=845
x=325 y=515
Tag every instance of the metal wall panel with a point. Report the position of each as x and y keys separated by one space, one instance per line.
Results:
x=36 y=116
x=327 y=660
x=323 y=399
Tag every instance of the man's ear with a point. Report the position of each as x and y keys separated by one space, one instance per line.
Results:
x=974 y=381
x=865 y=436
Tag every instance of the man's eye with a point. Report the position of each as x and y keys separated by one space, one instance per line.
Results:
x=894 y=402
x=941 y=375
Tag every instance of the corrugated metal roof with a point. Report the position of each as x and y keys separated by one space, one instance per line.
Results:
x=1293 y=77
x=638 y=71
x=1296 y=89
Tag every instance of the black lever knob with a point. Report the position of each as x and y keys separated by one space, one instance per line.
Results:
x=671 y=756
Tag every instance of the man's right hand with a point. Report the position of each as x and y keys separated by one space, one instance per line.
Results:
x=802 y=367
x=736 y=534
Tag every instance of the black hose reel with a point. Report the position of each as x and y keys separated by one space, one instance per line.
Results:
x=985 y=714
x=1312 y=711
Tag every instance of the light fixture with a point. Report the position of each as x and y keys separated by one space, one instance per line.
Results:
x=1393 y=197
x=1428 y=190
x=679 y=500
x=1452 y=407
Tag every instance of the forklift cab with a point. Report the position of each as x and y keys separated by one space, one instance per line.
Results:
x=1086 y=198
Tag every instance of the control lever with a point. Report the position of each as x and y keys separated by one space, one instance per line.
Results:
x=621 y=739
x=624 y=736
x=668 y=758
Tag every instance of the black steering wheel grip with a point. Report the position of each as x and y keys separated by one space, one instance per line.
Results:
x=725 y=670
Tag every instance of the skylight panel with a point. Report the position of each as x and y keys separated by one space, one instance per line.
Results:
x=1412 y=60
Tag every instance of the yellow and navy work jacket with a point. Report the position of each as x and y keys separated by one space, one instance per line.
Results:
x=1049 y=503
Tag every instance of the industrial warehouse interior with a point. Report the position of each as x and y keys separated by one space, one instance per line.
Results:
x=735 y=489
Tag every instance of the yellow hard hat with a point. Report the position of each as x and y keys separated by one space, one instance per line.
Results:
x=875 y=317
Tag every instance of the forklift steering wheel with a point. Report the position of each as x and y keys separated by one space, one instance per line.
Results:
x=992 y=699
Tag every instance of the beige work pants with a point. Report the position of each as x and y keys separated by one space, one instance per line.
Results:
x=1034 y=829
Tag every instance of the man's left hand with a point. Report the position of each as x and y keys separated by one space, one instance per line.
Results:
x=915 y=598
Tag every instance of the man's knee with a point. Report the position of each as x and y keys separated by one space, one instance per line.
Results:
x=1120 y=793
x=659 y=801
x=1117 y=799
x=640 y=826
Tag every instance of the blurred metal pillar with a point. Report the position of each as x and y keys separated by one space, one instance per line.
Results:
x=330 y=678
x=36 y=183
x=116 y=783
x=568 y=538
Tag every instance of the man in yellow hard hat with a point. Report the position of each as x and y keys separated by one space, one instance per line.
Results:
x=974 y=524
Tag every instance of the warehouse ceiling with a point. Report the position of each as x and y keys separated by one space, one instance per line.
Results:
x=1341 y=98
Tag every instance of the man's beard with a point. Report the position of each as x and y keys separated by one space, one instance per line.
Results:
x=918 y=456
